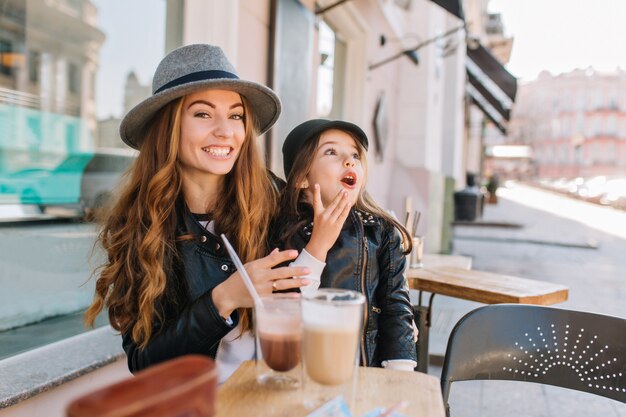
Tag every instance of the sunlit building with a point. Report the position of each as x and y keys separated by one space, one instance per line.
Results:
x=491 y=89
x=574 y=122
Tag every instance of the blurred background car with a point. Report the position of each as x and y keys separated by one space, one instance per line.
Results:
x=102 y=176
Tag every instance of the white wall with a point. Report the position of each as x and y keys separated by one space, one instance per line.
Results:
x=214 y=22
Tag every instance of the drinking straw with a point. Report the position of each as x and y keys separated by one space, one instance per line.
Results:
x=242 y=271
x=407 y=216
x=416 y=220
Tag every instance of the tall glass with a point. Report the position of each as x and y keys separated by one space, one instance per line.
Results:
x=278 y=325
x=415 y=258
x=332 y=320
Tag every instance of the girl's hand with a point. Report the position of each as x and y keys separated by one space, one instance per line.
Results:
x=233 y=293
x=328 y=222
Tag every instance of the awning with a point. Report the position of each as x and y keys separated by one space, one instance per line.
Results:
x=488 y=110
x=491 y=87
x=452 y=6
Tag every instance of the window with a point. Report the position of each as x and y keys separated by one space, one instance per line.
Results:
x=6 y=51
x=73 y=78
x=611 y=125
x=52 y=161
x=330 y=73
x=34 y=63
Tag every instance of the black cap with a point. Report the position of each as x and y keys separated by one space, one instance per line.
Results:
x=300 y=134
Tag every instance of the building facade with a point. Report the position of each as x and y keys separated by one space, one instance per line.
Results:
x=489 y=105
x=72 y=68
x=574 y=122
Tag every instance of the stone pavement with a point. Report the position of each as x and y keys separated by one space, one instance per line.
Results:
x=562 y=240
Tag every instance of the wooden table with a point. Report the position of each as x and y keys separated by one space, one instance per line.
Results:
x=242 y=396
x=479 y=286
x=485 y=287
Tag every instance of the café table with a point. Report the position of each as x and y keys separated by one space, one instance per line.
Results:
x=479 y=286
x=242 y=396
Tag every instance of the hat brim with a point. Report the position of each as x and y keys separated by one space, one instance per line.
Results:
x=341 y=125
x=264 y=102
x=306 y=131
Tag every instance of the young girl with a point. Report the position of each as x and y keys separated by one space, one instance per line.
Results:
x=326 y=212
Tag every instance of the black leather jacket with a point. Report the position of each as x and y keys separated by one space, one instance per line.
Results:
x=197 y=328
x=367 y=257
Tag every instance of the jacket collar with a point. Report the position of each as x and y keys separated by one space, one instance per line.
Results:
x=187 y=224
x=365 y=218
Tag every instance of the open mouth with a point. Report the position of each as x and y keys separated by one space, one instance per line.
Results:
x=219 y=151
x=349 y=179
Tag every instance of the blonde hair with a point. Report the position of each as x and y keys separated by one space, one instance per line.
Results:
x=137 y=284
x=295 y=211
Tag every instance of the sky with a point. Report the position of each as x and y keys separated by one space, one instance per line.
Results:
x=562 y=35
x=128 y=46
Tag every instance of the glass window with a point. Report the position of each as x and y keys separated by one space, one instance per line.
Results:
x=611 y=128
x=6 y=48
x=326 y=70
x=330 y=73
x=73 y=78
x=34 y=62
x=69 y=70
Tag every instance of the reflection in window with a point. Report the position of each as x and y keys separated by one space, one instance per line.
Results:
x=73 y=78
x=34 y=62
x=64 y=69
x=6 y=49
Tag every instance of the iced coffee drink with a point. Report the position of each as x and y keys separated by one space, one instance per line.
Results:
x=332 y=320
x=279 y=341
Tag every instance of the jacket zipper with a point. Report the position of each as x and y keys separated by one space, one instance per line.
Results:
x=365 y=305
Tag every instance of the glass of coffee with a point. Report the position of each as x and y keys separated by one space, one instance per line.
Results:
x=278 y=325
x=332 y=320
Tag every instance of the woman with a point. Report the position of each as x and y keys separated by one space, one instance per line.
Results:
x=169 y=286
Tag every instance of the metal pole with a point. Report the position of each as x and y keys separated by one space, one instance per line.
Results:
x=417 y=47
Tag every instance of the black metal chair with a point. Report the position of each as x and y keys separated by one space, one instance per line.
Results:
x=571 y=349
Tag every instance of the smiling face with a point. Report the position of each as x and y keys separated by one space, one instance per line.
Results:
x=336 y=166
x=211 y=135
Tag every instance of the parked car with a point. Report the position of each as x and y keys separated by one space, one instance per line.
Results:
x=44 y=186
x=102 y=175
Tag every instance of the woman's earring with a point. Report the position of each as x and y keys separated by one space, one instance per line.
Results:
x=304 y=184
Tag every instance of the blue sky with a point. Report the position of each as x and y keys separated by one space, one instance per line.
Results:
x=561 y=35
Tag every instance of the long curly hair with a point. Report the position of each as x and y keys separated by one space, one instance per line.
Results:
x=137 y=284
x=296 y=211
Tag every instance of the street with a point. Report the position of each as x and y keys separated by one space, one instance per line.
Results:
x=561 y=240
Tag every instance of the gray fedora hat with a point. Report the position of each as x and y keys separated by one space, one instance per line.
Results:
x=191 y=68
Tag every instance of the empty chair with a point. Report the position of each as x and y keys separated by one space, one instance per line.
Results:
x=571 y=349
x=185 y=386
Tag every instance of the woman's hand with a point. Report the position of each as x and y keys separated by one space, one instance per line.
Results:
x=233 y=293
x=327 y=222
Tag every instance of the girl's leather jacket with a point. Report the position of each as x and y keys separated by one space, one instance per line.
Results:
x=367 y=257
x=197 y=327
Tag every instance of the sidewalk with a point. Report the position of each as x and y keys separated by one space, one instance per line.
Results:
x=564 y=241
